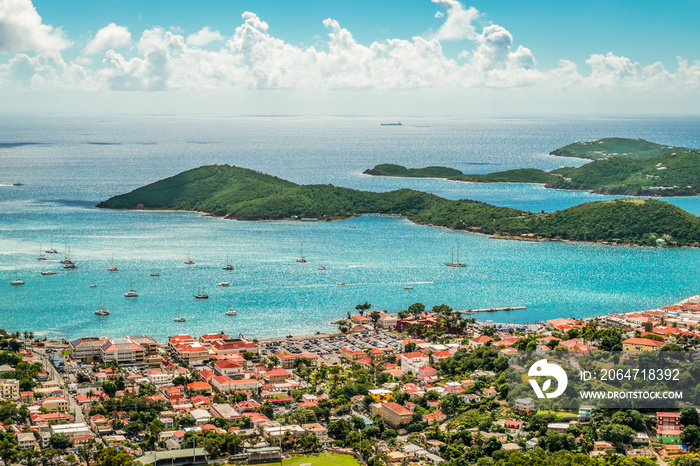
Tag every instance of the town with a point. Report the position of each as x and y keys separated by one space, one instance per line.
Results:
x=424 y=386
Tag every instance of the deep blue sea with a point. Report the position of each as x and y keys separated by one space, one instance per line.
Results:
x=69 y=163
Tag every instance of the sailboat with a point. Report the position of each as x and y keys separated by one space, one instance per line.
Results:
x=452 y=263
x=408 y=287
x=201 y=294
x=180 y=318
x=67 y=262
x=17 y=281
x=51 y=250
x=227 y=266
x=231 y=311
x=302 y=259
x=48 y=272
x=132 y=293
x=112 y=267
x=101 y=311
x=41 y=257
x=189 y=260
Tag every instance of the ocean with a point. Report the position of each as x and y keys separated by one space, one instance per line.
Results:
x=69 y=163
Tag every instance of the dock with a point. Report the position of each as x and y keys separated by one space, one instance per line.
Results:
x=493 y=309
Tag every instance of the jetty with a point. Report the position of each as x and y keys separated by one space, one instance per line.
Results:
x=493 y=309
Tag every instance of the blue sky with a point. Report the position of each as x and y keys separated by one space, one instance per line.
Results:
x=645 y=31
x=485 y=55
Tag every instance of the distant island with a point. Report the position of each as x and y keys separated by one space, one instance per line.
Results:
x=641 y=168
x=243 y=194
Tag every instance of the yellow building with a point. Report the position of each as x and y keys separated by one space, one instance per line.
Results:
x=639 y=345
x=381 y=394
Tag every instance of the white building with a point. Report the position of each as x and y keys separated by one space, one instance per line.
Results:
x=412 y=362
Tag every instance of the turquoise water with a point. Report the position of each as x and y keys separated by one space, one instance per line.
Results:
x=67 y=173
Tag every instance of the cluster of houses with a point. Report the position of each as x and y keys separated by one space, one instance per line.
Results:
x=188 y=372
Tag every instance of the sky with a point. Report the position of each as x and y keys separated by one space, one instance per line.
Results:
x=409 y=57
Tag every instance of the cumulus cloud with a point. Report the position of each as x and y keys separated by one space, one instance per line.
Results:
x=253 y=58
x=203 y=37
x=458 y=24
x=109 y=37
x=21 y=29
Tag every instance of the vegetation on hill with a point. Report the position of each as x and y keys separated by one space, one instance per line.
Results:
x=523 y=175
x=630 y=148
x=669 y=174
x=242 y=194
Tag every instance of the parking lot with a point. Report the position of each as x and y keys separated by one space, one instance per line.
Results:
x=328 y=348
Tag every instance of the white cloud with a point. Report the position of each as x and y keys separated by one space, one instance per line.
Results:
x=612 y=70
x=439 y=14
x=109 y=37
x=252 y=58
x=21 y=29
x=204 y=37
x=458 y=24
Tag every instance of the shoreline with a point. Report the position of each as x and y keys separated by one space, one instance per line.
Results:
x=544 y=185
x=488 y=235
x=328 y=334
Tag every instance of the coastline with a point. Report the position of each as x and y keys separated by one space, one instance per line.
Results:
x=491 y=236
x=544 y=185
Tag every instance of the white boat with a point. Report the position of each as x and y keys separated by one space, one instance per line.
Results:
x=341 y=283
x=227 y=266
x=454 y=263
x=132 y=293
x=93 y=286
x=302 y=259
x=322 y=268
x=408 y=287
x=231 y=311
x=179 y=319
x=154 y=274
x=17 y=281
x=51 y=250
x=101 y=311
x=223 y=284
x=112 y=267
x=41 y=257
x=70 y=265
x=48 y=272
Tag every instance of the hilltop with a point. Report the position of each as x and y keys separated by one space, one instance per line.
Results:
x=242 y=194
x=606 y=147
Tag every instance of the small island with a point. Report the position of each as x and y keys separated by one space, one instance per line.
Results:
x=242 y=194
x=654 y=171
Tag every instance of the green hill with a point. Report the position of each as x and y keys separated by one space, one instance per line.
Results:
x=639 y=221
x=242 y=194
x=630 y=148
x=670 y=174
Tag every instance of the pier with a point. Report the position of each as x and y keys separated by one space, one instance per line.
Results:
x=493 y=309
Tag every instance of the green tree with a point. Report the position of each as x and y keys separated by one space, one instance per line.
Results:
x=361 y=308
x=59 y=441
